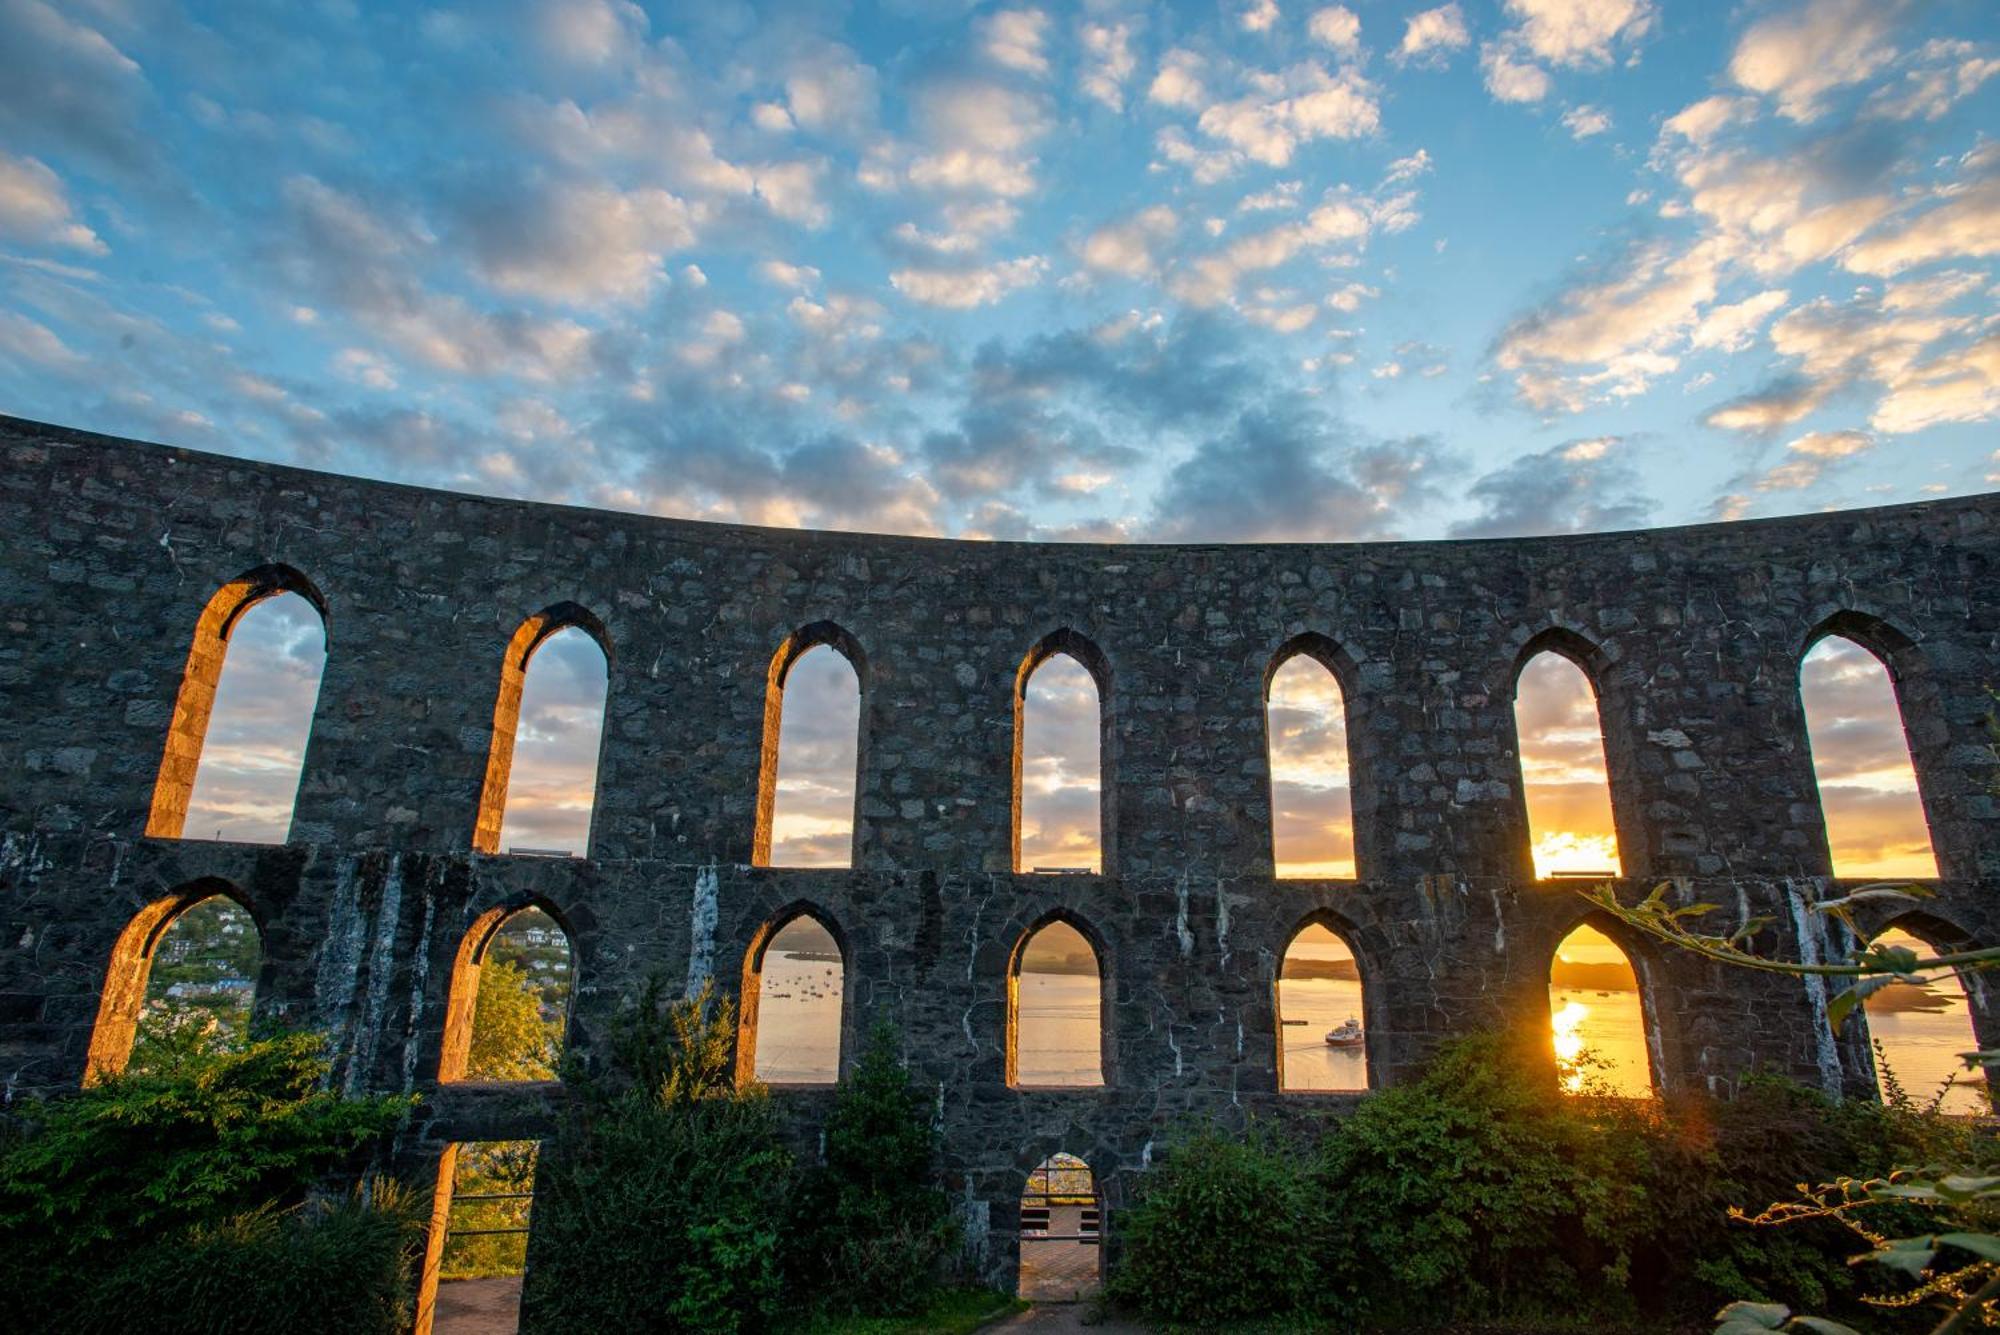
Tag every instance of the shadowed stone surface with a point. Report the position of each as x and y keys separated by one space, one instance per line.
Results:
x=113 y=549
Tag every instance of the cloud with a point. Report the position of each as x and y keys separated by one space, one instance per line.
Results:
x=1730 y=328
x=1277 y=474
x=346 y=254
x=1178 y=82
x=1940 y=75
x=590 y=32
x=1922 y=372
x=1797 y=58
x=1129 y=248
x=1577 y=487
x=1807 y=459
x=1699 y=122
x=828 y=89
x=1964 y=222
x=1013 y=38
x=34 y=208
x=24 y=340
x=1258 y=16
x=1300 y=105
x=1511 y=79
x=1578 y=32
x=1584 y=121
x=576 y=244
x=1336 y=26
x=963 y=289
x=65 y=84
x=978 y=137
x=1610 y=335
x=1109 y=48
x=1429 y=35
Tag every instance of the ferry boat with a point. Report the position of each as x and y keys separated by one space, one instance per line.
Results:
x=1346 y=1035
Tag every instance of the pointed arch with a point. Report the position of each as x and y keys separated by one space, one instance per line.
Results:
x=1312 y=829
x=1602 y=1021
x=809 y=1019
x=1061 y=1232
x=1919 y=1030
x=194 y=704
x=1853 y=674
x=1321 y=985
x=1561 y=749
x=820 y=634
x=531 y=635
x=1080 y=649
x=1046 y=1047
x=122 y=1001
x=541 y=931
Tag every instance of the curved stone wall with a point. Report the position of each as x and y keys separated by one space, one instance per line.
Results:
x=111 y=551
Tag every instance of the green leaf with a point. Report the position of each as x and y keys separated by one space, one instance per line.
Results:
x=1983 y=1245
x=1743 y=1318
x=1822 y=1325
x=1843 y=1003
x=1912 y=1256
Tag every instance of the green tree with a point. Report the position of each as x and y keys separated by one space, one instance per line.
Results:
x=511 y=1037
x=871 y=1224
x=666 y=1194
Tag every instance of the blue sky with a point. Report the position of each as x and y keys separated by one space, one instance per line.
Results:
x=1215 y=271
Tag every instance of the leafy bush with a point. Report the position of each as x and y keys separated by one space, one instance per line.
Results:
x=1222 y=1234
x=342 y=1267
x=97 y=1181
x=668 y=1198
x=871 y=1225
x=1477 y=1191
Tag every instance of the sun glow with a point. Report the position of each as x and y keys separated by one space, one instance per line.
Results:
x=1568 y=1023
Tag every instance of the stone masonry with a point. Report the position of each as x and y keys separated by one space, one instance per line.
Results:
x=112 y=553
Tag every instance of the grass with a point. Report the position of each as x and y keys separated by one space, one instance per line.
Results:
x=956 y=1312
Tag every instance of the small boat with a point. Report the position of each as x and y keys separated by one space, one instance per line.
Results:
x=1347 y=1035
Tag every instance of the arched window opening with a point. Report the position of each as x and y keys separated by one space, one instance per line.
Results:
x=1062 y=1231
x=510 y=995
x=548 y=727
x=811 y=775
x=1919 y=1030
x=1563 y=774
x=477 y=1249
x=1312 y=815
x=1057 y=1006
x=792 y=1005
x=1322 y=1040
x=1058 y=793
x=1598 y=1016
x=181 y=984
x=238 y=739
x=1875 y=824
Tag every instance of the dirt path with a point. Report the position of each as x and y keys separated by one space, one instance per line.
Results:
x=478 y=1306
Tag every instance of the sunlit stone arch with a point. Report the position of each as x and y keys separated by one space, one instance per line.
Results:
x=1344 y=673
x=1023 y=933
x=1640 y=954
x=122 y=996
x=529 y=636
x=1374 y=1004
x=1594 y=663
x=1913 y=697
x=462 y=997
x=797 y=645
x=750 y=1008
x=1081 y=648
x=194 y=703
x=1923 y=1046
